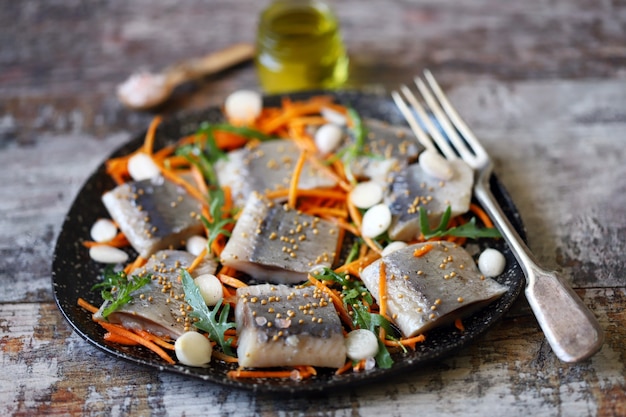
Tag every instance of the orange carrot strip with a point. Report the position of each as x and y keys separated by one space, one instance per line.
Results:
x=355 y=214
x=197 y=260
x=137 y=263
x=411 y=341
x=121 y=340
x=231 y=281
x=295 y=179
x=484 y=217
x=422 y=250
x=459 y=325
x=148 y=144
x=193 y=191
x=156 y=339
x=382 y=290
x=119 y=330
x=344 y=368
x=87 y=306
x=313 y=192
x=118 y=241
x=360 y=263
x=343 y=314
x=224 y=357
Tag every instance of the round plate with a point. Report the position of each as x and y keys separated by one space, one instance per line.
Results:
x=74 y=273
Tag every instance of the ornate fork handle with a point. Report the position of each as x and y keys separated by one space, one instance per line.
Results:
x=571 y=329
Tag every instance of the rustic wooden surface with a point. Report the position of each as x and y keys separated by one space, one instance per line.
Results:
x=542 y=83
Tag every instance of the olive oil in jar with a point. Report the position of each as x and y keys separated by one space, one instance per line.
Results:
x=299 y=47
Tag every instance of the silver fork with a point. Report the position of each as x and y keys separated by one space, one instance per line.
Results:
x=571 y=329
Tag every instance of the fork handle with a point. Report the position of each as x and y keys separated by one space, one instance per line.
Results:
x=569 y=326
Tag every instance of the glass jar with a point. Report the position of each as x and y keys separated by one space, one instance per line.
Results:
x=299 y=47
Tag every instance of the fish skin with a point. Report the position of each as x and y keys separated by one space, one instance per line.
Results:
x=158 y=316
x=154 y=214
x=397 y=146
x=412 y=301
x=266 y=166
x=293 y=338
x=257 y=241
x=413 y=184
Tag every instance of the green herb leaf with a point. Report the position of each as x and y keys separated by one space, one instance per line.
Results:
x=116 y=289
x=217 y=225
x=208 y=320
x=469 y=229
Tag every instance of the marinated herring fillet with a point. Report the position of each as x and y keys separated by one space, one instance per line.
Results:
x=156 y=307
x=432 y=289
x=266 y=166
x=278 y=325
x=154 y=214
x=413 y=188
x=276 y=244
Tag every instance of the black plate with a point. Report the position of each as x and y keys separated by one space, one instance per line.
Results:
x=74 y=273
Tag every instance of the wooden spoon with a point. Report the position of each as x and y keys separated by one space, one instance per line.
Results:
x=145 y=90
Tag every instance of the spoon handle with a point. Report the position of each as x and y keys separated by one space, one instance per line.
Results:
x=210 y=64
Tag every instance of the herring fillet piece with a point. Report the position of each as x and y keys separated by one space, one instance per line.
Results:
x=276 y=244
x=433 y=289
x=153 y=312
x=412 y=188
x=278 y=325
x=388 y=149
x=266 y=166
x=154 y=214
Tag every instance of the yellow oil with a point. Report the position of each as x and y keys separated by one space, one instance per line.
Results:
x=299 y=47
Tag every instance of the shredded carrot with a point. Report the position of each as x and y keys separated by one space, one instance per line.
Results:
x=87 y=306
x=137 y=263
x=313 y=192
x=224 y=357
x=410 y=342
x=358 y=264
x=156 y=339
x=459 y=325
x=197 y=260
x=121 y=331
x=355 y=214
x=148 y=144
x=382 y=290
x=231 y=281
x=193 y=191
x=119 y=241
x=423 y=250
x=295 y=179
x=298 y=373
x=121 y=340
x=344 y=368
x=482 y=215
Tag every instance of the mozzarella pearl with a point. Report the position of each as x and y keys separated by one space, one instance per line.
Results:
x=327 y=138
x=193 y=349
x=196 y=244
x=376 y=221
x=394 y=246
x=491 y=263
x=361 y=344
x=210 y=288
x=366 y=194
x=142 y=167
x=103 y=230
x=107 y=254
x=435 y=165
x=243 y=106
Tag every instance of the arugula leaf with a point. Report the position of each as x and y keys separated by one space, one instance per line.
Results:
x=469 y=229
x=208 y=320
x=353 y=292
x=116 y=289
x=217 y=225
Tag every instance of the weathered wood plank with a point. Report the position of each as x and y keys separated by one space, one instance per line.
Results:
x=507 y=372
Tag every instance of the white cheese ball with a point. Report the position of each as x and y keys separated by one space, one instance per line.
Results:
x=243 y=106
x=103 y=230
x=210 y=288
x=196 y=244
x=491 y=263
x=193 y=349
x=366 y=194
x=376 y=221
x=393 y=246
x=108 y=254
x=141 y=166
x=327 y=138
x=361 y=344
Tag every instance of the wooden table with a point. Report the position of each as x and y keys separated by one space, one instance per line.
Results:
x=543 y=84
